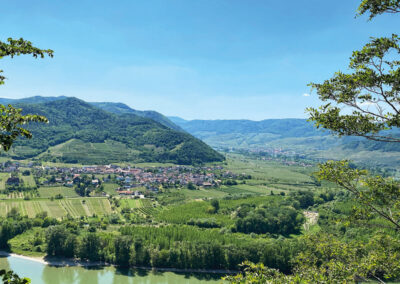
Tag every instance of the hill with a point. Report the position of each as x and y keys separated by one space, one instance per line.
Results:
x=116 y=108
x=81 y=133
x=297 y=135
x=120 y=108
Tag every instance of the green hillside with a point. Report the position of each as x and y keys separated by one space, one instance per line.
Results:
x=81 y=133
x=116 y=108
x=120 y=108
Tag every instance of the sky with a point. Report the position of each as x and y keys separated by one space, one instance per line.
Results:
x=196 y=59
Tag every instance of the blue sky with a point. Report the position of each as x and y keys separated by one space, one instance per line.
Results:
x=204 y=59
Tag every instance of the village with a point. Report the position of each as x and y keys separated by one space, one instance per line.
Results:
x=134 y=182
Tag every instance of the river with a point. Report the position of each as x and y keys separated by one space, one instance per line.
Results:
x=40 y=273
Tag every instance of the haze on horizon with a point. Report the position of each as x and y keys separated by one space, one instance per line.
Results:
x=207 y=59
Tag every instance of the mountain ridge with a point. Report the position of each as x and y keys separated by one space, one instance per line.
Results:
x=143 y=139
x=116 y=108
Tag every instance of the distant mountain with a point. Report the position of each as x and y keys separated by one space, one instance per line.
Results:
x=177 y=120
x=79 y=132
x=120 y=108
x=31 y=100
x=297 y=135
x=117 y=108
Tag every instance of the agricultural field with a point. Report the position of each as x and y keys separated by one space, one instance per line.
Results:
x=181 y=214
x=143 y=206
x=266 y=170
x=51 y=191
x=271 y=175
x=3 y=180
x=202 y=193
x=75 y=207
x=28 y=181
x=130 y=203
x=110 y=188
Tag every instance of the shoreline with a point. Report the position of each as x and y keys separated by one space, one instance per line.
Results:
x=67 y=262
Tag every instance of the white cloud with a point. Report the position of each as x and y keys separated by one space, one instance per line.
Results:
x=306 y=95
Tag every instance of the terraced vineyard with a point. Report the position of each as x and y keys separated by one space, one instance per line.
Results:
x=75 y=207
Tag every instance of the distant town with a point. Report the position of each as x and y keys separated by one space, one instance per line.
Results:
x=132 y=181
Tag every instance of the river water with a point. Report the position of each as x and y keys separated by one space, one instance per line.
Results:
x=44 y=274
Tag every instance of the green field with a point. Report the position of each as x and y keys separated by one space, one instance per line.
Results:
x=75 y=207
x=130 y=203
x=3 y=180
x=110 y=188
x=51 y=191
x=29 y=181
x=266 y=170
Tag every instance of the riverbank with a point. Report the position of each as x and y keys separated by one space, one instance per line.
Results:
x=55 y=261
x=67 y=262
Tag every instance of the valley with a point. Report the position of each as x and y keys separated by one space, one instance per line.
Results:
x=201 y=203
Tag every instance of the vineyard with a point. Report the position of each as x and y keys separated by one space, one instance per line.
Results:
x=51 y=191
x=74 y=207
x=147 y=208
x=182 y=214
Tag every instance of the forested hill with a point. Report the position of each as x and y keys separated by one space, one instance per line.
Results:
x=120 y=108
x=81 y=133
x=117 y=108
x=298 y=135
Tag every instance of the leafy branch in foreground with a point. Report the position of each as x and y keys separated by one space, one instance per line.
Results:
x=378 y=7
x=372 y=92
x=15 y=47
x=378 y=196
x=9 y=277
x=11 y=120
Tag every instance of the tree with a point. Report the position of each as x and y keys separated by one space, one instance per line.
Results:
x=341 y=263
x=364 y=103
x=90 y=247
x=372 y=92
x=9 y=277
x=15 y=47
x=56 y=237
x=378 y=196
x=378 y=7
x=215 y=204
x=191 y=186
x=123 y=248
x=11 y=118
